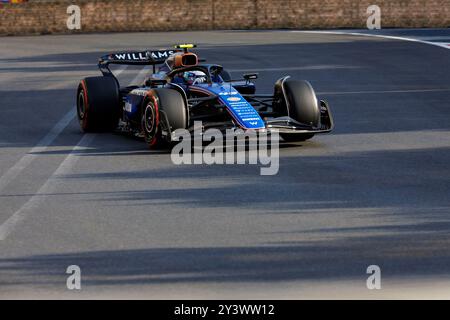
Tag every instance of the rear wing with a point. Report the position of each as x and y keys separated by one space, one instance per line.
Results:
x=134 y=58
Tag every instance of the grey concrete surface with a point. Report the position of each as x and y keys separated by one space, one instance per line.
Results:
x=375 y=191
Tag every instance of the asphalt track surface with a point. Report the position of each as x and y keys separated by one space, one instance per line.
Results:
x=374 y=192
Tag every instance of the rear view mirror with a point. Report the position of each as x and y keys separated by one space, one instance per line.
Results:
x=250 y=76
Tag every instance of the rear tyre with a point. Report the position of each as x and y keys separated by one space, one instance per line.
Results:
x=98 y=104
x=163 y=110
x=301 y=104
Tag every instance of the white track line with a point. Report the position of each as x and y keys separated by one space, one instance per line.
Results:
x=41 y=146
x=318 y=67
x=141 y=75
x=436 y=44
x=11 y=223
x=383 y=91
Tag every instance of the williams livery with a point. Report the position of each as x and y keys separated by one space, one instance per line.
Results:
x=183 y=89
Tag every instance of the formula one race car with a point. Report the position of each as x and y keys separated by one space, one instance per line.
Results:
x=182 y=90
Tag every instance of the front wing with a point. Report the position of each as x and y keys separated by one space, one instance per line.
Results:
x=289 y=125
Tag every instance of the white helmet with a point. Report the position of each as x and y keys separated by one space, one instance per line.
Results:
x=194 y=77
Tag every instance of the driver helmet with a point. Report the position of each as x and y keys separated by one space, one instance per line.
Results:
x=194 y=77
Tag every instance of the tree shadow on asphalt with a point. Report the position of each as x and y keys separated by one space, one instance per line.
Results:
x=409 y=186
x=418 y=178
x=404 y=251
x=384 y=177
x=407 y=190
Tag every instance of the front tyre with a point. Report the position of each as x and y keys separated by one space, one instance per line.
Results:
x=150 y=124
x=164 y=111
x=299 y=102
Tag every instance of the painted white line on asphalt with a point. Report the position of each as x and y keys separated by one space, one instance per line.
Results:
x=437 y=44
x=445 y=45
x=121 y=68
x=318 y=67
x=141 y=76
x=11 y=223
x=42 y=145
x=383 y=91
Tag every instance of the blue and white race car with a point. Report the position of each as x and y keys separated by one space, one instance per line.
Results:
x=182 y=89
